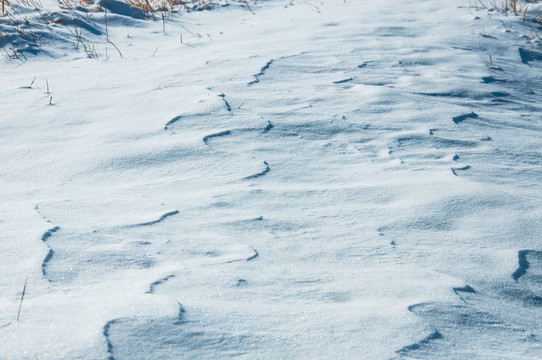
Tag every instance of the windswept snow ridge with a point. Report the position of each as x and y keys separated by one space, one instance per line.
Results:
x=464 y=289
x=460 y=118
x=435 y=335
x=226 y=103
x=156 y=283
x=523 y=265
x=49 y=233
x=160 y=219
x=106 y=330
x=261 y=173
x=343 y=81
x=261 y=73
x=218 y=134
x=457 y=171
x=251 y=257
x=172 y=121
x=50 y=253
x=268 y=127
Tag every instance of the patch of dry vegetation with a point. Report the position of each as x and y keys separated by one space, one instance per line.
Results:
x=25 y=24
x=528 y=10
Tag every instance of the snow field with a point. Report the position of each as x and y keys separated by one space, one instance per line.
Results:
x=335 y=180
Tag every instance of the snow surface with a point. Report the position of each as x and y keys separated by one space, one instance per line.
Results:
x=342 y=179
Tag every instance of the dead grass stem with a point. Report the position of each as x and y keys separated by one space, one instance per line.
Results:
x=21 y=302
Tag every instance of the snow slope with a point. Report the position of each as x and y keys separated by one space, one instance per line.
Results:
x=343 y=179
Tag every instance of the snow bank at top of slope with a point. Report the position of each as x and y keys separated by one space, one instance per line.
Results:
x=51 y=27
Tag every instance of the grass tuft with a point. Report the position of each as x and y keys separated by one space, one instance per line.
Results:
x=24 y=23
x=522 y=8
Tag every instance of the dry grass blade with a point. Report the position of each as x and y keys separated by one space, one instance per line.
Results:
x=21 y=303
x=483 y=4
x=246 y=3
x=115 y=46
x=32 y=83
x=105 y=17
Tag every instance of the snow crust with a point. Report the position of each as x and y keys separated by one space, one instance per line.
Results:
x=342 y=179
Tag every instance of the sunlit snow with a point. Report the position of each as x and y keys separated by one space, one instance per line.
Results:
x=302 y=180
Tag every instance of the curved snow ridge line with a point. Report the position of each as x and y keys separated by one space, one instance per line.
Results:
x=464 y=289
x=523 y=264
x=50 y=253
x=173 y=121
x=219 y=134
x=254 y=256
x=49 y=233
x=228 y=106
x=261 y=73
x=343 y=81
x=492 y=79
x=268 y=127
x=435 y=335
x=457 y=94
x=260 y=174
x=365 y=64
x=45 y=262
x=413 y=307
x=153 y=285
x=461 y=118
x=162 y=218
x=455 y=170
x=106 y=334
x=435 y=141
